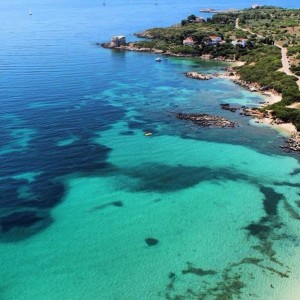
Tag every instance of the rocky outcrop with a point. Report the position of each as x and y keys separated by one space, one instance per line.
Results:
x=251 y=86
x=206 y=120
x=254 y=112
x=293 y=143
x=198 y=76
x=144 y=34
x=226 y=106
x=246 y=111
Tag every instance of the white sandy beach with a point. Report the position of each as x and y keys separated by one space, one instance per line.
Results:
x=271 y=98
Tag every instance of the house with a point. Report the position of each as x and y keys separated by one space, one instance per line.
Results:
x=117 y=41
x=241 y=42
x=215 y=39
x=188 y=42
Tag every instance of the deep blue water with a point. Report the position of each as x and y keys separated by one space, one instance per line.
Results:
x=61 y=94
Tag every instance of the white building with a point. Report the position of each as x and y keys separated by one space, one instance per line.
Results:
x=117 y=41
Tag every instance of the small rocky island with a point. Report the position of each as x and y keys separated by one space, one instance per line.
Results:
x=206 y=120
x=198 y=76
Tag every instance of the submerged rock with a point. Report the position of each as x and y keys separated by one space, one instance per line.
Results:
x=151 y=241
x=117 y=203
x=197 y=271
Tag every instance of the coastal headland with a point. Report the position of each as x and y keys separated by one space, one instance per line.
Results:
x=265 y=58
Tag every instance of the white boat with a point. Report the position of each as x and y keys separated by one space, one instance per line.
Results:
x=30 y=13
x=158 y=59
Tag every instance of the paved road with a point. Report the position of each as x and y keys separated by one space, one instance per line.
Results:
x=284 y=58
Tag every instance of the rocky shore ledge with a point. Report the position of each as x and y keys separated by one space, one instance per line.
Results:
x=292 y=144
x=198 y=76
x=144 y=34
x=131 y=47
x=206 y=120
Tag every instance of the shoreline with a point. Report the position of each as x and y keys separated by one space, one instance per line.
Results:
x=130 y=47
x=271 y=96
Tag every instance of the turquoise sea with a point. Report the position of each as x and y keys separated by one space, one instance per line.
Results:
x=91 y=208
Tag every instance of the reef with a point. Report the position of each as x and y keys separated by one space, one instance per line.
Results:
x=197 y=271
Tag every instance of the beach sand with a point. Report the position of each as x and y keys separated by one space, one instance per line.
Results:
x=271 y=98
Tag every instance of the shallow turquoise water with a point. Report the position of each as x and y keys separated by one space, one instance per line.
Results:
x=82 y=187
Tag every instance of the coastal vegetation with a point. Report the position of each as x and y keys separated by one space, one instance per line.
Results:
x=264 y=29
x=262 y=67
x=171 y=39
x=277 y=24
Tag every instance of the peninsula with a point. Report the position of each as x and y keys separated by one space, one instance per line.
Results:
x=265 y=39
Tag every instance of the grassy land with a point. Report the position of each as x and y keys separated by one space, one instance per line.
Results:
x=262 y=59
x=262 y=65
x=171 y=38
x=283 y=27
x=278 y=24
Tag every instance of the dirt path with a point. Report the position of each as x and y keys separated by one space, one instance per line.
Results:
x=285 y=63
x=284 y=58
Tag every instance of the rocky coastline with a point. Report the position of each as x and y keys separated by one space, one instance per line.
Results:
x=206 y=120
x=131 y=47
x=292 y=144
x=144 y=35
x=264 y=116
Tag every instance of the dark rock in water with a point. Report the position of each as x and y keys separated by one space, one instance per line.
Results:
x=207 y=120
x=151 y=241
x=106 y=205
x=295 y=172
x=271 y=200
x=292 y=144
x=157 y=200
x=117 y=203
x=259 y=230
x=226 y=106
x=197 y=271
